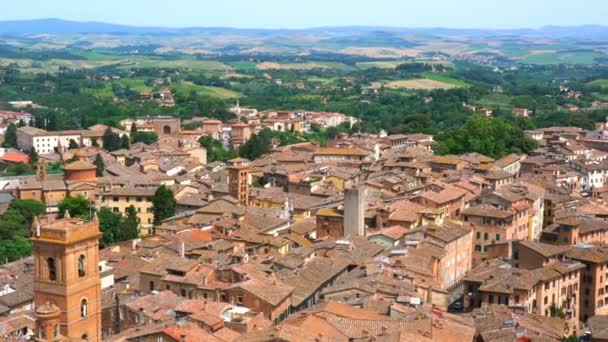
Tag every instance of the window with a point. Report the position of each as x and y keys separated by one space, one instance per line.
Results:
x=151 y=285
x=139 y=210
x=82 y=266
x=486 y=236
x=477 y=248
x=115 y=209
x=50 y=264
x=491 y=299
x=546 y=300
x=55 y=330
x=115 y=199
x=239 y=299
x=183 y=292
x=478 y=235
x=167 y=287
x=497 y=237
x=83 y=308
x=138 y=199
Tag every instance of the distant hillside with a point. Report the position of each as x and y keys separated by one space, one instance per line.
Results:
x=66 y=27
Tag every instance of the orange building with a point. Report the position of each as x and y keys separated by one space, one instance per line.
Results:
x=238 y=180
x=67 y=287
x=79 y=170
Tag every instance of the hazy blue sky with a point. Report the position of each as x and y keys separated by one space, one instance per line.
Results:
x=313 y=13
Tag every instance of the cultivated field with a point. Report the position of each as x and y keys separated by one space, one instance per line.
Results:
x=419 y=83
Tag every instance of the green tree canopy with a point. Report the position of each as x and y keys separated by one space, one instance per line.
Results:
x=10 y=136
x=109 y=225
x=215 y=150
x=128 y=229
x=73 y=145
x=28 y=208
x=489 y=136
x=111 y=140
x=257 y=145
x=163 y=204
x=33 y=155
x=124 y=142
x=144 y=137
x=100 y=165
x=78 y=206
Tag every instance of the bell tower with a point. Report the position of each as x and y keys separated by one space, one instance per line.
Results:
x=67 y=288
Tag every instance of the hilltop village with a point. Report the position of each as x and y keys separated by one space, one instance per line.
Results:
x=371 y=237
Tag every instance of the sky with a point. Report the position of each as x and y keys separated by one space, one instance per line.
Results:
x=316 y=13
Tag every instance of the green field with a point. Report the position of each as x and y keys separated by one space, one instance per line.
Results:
x=380 y=64
x=198 y=65
x=587 y=57
x=185 y=88
x=445 y=79
x=419 y=84
x=394 y=64
x=496 y=101
x=599 y=83
x=243 y=66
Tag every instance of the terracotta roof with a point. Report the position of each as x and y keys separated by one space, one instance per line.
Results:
x=79 y=165
x=14 y=157
x=339 y=151
x=545 y=249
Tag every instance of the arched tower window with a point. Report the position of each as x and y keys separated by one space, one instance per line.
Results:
x=82 y=266
x=84 y=308
x=50 y=263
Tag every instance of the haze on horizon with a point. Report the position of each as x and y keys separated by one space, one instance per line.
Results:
x=491 y=14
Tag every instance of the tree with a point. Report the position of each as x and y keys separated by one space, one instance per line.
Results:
x=109 y=224
x=73 y=145
x=144 y=137
x=15 y=249
x=33 y=155
x=10 y=136
x=257 y=145
x=332 y=132
x=215 y=150
x=78 y=206
x=124 y=142
x=163 y=204
x=29 y=208
x=100 y=165
x=489 y=136
x=111 y=140
x=94 y=142
x=128 y=229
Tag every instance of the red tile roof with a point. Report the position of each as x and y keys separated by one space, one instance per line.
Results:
x=15 y=157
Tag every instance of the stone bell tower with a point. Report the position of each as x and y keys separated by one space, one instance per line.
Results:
x=67 y=287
